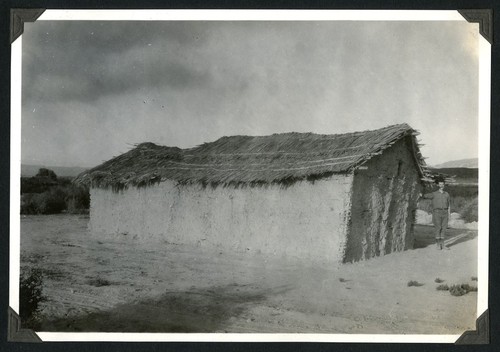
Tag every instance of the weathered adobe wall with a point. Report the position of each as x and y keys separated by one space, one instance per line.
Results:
x=307 y=220
x=384 y=202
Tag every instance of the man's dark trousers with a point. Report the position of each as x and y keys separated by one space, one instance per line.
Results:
x=440 y=221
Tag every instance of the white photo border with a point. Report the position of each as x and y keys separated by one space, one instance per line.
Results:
x=253 y=15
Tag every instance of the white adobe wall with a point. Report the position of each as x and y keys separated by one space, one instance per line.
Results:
x=307 y=219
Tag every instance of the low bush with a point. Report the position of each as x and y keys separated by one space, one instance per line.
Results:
x=74 y=200
x=443 y=288
x=45 y=193
x=438 y=280
x=36 y=184
x=28 y=205
x=77 y=200
x=469 y=211
x=52 y=201
x=43 y=172
x=460 y=290
x=30 y=296
x=414 y=283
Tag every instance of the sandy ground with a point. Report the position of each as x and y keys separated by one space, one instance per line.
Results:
x=118 y=285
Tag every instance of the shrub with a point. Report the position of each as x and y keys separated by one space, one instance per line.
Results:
x=438 y=280
x=464 y=201
x=469 y=211
x=460 y=290
x=30 y=296
x=43 y=172
x=442 y=288
x=469 y=288
x=64 y=181
x=28 y=205
x=36 y=184
x=77 y=200
x=50 y=202
x=56 y=199
x=414 y=283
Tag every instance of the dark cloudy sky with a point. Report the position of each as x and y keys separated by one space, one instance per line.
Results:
x=92 y=89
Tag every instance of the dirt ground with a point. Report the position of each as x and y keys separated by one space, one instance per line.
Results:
x=124 y=284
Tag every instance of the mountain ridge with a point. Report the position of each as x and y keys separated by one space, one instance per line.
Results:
x=468 y=163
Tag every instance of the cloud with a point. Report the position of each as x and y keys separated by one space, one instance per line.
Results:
x=179 y=83
x=85 y=62
x=121 y=77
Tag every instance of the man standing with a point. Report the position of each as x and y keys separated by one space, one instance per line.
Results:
x=440 y=212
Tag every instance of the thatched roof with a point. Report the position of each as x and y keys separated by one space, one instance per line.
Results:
x=246 y=160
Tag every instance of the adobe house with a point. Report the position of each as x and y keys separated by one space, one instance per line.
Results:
x=343 y=197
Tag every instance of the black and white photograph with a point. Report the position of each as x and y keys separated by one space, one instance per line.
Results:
x=250 y=175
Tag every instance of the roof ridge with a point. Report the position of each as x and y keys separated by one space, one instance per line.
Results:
x=401 y=125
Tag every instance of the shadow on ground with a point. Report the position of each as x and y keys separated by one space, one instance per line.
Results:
x=424 y=236
x=196 y=310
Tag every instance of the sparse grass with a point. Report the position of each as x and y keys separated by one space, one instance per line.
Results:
x=438 y=280
x=443 y=288
x=414 y=283
x=463 y=289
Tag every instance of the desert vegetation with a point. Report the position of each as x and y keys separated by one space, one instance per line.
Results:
x=45 y=193
x=414 y=283
x=31 y=296
x=457 y=290
x=443 y=287
x=462 y=289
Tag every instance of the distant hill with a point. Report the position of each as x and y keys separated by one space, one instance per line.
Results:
x=62 y=171
x=470 y=163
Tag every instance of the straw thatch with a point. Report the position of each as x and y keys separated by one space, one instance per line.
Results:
x=245 y=160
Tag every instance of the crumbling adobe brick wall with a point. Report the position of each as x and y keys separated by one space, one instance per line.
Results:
x=384 y=200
